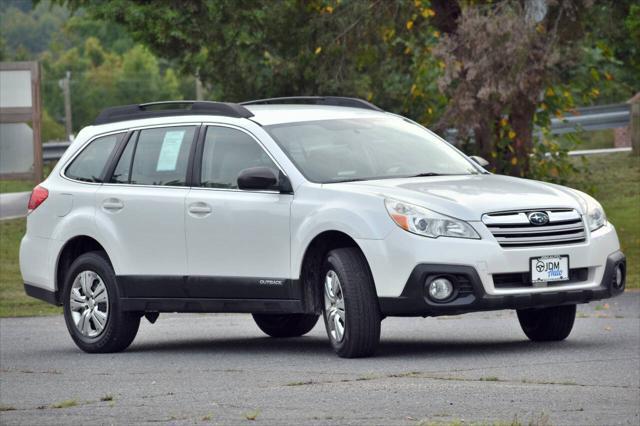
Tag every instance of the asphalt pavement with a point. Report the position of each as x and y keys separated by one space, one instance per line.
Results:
x=14 y=204
x=221 y=369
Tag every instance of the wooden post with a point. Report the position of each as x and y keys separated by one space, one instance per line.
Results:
x=23 y=104
x=36 y=122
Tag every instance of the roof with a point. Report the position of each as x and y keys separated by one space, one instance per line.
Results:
x=264 y=111
x=268 y=115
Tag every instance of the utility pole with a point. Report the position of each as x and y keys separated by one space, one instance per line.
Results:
x=199 y=94
x=66 y=89
x=634 y=126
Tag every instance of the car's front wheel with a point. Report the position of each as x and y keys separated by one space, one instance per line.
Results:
x=351 y=311
x=547 y=324
x=92 y=308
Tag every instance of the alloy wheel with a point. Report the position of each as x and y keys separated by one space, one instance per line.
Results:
x=89 y=304
x=334 y=306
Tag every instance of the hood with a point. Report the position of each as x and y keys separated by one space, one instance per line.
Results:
x=469 y=197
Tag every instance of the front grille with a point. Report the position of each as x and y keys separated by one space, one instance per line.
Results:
x=523 y=279
x=513 y=228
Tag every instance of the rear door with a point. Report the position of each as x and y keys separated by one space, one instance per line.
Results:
x=238 y=240
x=140 y=211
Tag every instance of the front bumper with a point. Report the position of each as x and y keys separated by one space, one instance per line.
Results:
x=472 y=296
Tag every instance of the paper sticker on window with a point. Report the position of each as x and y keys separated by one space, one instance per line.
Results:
x=169 y=151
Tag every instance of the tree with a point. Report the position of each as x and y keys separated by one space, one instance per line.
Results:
x=275 y=48
x=101 y=78
x=497 y=60
x=494 y=70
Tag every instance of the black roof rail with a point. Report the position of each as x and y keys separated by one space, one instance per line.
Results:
x=317 y=100
x=171 y=108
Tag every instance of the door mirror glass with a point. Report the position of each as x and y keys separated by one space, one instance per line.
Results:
x=480 y=161
x=257 y=178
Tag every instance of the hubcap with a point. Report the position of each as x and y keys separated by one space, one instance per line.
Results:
x=334 y=306
x=89 y=303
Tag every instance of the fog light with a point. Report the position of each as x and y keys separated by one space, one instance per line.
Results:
x=440 y=289
x=619 y=276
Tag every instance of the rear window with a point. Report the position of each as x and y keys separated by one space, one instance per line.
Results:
x=156 y=157
x=89 y=165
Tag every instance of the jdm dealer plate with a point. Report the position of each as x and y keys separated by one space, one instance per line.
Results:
x=549 y=269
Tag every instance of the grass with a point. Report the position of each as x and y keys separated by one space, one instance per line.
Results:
x=542 y=420
x=252 y=415
x=24 y=185
x=13 y=301
x=589 y=140
x=16 y=185
x=614 y=179
x=65 y=404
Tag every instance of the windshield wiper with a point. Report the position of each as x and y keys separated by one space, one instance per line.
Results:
x=346 y=180
x=428 y=174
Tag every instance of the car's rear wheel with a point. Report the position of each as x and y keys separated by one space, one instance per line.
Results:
x=286 y=325
x=351 y=311
x=547 y=324
x=92 y=309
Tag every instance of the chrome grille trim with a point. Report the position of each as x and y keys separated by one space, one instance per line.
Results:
x=513 y=229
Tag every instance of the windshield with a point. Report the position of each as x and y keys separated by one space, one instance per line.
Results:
x=342 y=150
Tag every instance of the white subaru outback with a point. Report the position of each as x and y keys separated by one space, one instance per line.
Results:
x=290 y=208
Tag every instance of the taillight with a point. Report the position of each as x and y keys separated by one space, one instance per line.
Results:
x=38 y=195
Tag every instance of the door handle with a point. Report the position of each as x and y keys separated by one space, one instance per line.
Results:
x=200 y=209
x=112 y=204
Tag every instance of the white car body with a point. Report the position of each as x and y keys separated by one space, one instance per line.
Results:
x=258 y=239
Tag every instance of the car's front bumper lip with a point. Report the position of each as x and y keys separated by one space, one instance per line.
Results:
x=412 y=301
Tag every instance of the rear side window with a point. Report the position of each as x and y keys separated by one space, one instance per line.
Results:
x=226 y=153
x=89 y=165
x=156 y=157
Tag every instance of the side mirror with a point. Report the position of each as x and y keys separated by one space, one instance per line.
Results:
x=259 y=178
x=480 y=161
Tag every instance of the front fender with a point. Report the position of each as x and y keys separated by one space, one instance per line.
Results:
x=313 y=212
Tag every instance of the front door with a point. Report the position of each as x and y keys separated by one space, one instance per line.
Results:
x=238 y=242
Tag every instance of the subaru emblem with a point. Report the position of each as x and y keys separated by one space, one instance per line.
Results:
x=538 y=218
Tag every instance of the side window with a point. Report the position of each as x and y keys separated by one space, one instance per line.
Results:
x=156 y=157
x=89 y=165
x=226 y=153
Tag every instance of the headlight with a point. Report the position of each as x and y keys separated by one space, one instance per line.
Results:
x=421 y=221
x=596 y=218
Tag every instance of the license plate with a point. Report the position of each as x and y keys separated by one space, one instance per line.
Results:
x=549 y=269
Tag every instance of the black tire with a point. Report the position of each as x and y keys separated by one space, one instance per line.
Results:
x=548 y=324
x=120 y=328
x=362 y=311
x=286 y=325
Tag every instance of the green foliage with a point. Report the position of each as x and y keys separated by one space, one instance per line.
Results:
x=30 y=31
x=107 y=67
x=398 y=54
x=102 y=77
x=51 y=129
x=612 y=33
x=284 y=48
